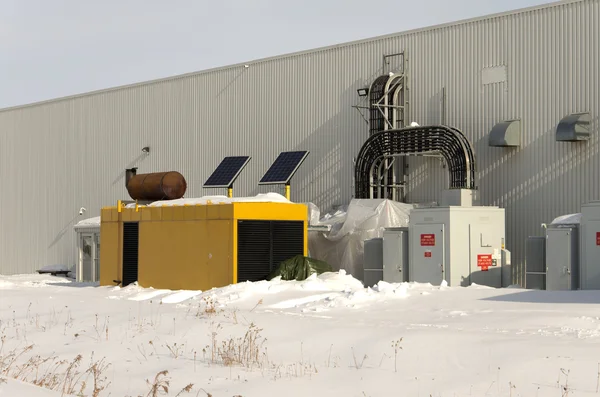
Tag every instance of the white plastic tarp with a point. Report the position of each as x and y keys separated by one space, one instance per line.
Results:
x=362 y=219
x=313 y=213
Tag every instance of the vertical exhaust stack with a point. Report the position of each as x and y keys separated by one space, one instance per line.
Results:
x=129 y=173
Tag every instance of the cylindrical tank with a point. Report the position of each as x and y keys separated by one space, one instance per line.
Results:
x=157 y=186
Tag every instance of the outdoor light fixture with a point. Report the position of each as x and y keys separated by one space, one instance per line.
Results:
x=146 y=149
x=363 y=91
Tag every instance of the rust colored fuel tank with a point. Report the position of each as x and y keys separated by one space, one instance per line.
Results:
x=157 y=186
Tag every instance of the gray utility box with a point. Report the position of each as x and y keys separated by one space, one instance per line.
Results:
x=535 y=263
x=562 y=257
x=462 y=245
x=395 y=255
x=590 y=245
x=373 y=261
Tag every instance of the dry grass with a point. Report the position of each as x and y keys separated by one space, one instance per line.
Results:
x=246 y=351
x=100 y=331
x=396 y=346
x=565 y=388
x=186 y=389
x=356 y=363
x=294 y=370
x=175 y=349
x=249 y=352
x=161 y=383
x=52 y=373
x=205 y=308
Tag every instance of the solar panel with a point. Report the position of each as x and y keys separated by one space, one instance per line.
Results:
x=227 y=172
x=284 y=167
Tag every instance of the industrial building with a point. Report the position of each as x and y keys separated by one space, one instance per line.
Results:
x=523 y=88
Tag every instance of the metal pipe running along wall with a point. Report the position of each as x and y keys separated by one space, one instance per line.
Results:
x=444 y=141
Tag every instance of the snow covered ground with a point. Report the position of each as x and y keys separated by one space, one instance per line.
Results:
x=327 y=336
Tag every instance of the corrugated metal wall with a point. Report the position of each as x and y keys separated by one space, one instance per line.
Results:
x=58 y=156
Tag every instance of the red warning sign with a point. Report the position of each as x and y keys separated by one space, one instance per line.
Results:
x=597 y=238
x=427 y=240
x=427 y=254
x=484 y=261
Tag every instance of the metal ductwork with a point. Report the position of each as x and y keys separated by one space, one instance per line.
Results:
x=129 y=173
x=385 y=112
x=437 y=140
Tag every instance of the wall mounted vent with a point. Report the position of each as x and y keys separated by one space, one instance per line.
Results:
x=506 y=133
x=574 y=127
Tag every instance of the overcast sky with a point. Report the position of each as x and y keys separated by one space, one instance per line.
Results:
x=53 y=48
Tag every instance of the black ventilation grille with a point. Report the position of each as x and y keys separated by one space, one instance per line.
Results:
x=254 y=250
x=130 y=252
x=288 y=240
x=263 y=245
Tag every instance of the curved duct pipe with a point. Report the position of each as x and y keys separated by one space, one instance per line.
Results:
x=383 y=94
x=383 y=97
x=443 y=141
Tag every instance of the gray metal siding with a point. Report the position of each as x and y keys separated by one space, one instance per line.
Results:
x=60 y=155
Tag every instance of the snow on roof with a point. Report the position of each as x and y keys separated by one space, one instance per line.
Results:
x=259 y=198
x=88 y=223
x=569 y=219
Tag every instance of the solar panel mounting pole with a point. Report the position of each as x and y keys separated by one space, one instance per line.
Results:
x=283 y=169
x=226 y=173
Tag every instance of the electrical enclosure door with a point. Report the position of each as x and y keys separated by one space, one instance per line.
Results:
x=591 y=261
x=558 y=259
x=485 y=267
x=395 y=258
x=86 y=258
x=97 y=257
x=427 y=253
x=535 y=263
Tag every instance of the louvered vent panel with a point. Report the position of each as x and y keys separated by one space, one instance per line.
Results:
x=254 y=250
x=130 y=252
x=288 y=240
x=263 y=245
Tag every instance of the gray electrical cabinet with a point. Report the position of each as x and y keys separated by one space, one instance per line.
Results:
x=562 y=257
x=395 y=255
x=535 y=263
x=373 y=261
x=461 y=245
x=590 y=245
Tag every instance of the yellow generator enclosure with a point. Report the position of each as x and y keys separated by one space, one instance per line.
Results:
x=199 y=247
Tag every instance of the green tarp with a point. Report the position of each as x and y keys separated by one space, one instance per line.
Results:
x=299 y=268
